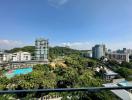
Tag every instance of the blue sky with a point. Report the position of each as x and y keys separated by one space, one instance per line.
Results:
x=78 y=23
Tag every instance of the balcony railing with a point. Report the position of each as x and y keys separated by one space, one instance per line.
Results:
x=59 y=97
x=89 y=89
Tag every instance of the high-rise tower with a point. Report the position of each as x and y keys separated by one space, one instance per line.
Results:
x=41 y=49
x=98 y=51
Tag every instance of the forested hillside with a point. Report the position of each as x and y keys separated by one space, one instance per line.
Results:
x=53 y=51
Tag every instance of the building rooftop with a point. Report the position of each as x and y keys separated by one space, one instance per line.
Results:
x=125 y=83
x=110 y=72
x=41 y=39
x=123 y=94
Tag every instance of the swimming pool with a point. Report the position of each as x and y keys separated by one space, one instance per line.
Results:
x=12 y=73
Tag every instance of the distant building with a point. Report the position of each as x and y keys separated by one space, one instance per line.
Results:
x=129 y=51
x=21 y=56
x=41 y=49
x=1 y=57
x=124 y=50
x=7 y=57
x=109 y=51
x=119 y=51
x=119 y=57
x=12 y=57
x=87 y=54
x=98 y=51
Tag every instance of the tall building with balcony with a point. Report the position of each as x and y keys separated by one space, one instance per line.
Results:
x=41 y=49
x=98 y=51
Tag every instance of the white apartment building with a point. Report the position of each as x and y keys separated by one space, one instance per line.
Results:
x=21 y=56
x=129 y=51
x=7 y=57
x=4 y=57
x=18 y=56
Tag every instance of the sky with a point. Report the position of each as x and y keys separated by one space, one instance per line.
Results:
x=79 y=24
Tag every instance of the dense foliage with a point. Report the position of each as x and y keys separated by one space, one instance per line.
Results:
x=30 y=49
x=53 y=51
x=78 y=73
x=124 y=69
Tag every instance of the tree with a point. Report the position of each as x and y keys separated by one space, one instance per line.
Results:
x=125 y=72
x=126 y=64
x=87 y=79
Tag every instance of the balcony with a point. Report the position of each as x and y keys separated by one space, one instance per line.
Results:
x=68 y=90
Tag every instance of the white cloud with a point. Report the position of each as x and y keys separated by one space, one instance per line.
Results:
x=57 y=3
x=8 y=44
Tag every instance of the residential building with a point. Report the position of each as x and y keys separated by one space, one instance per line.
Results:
x=41 y=49
x=1 y=57
x=129 y=51
x=98 y=51
x=119 y=51
x=124 y=50
x=12 y=57
x=119 y=57
x=7 y=57
x=21 y=56
x=109 y=74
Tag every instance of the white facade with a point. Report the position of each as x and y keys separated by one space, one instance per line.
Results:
x=129 y=51
x=21 y=56
x=18 y=56
x=1 y=58
x=119 y=56
x=7 y=57
x=4 y=57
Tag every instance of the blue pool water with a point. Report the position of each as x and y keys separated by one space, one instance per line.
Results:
x=13 y=73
